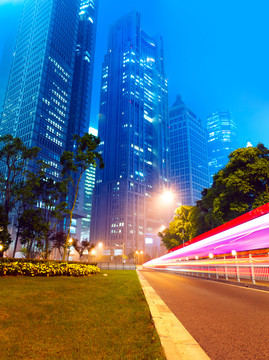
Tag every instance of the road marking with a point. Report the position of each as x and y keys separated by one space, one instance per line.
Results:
x=177 y=342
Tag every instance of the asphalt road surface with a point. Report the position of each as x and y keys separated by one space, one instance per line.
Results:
x=229 y=322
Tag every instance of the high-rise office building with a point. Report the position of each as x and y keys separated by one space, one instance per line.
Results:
x=83 y=70
x=133 y=128
x=221 y=140
x=79 y=114
x=49 y=78
x=188 y=153
x=88 y=194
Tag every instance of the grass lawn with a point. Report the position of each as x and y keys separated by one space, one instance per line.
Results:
x=96 y=317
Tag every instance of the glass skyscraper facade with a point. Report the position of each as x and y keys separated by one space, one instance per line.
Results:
x=133 y=127
x=47 y=97
x=88 y=194
x=188 y=154
x=221 y=140
x=37 y=101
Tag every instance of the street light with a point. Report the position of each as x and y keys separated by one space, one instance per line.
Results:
x=70 y=242
x=234 y=253
x=93 y=253
x=139 y=252
x=167 y=197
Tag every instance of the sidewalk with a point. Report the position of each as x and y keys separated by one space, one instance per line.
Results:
x=176 y=341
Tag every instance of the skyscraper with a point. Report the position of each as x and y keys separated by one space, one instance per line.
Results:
x=188 y=153
x=221 y=140
x=133 y=128
x=79 y=114
x=88 y=194
x=49 y=78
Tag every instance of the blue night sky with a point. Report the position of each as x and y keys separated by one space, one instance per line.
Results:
x=216 y=54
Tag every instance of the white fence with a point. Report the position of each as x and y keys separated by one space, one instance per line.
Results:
x=115 y=266
x=251 y=268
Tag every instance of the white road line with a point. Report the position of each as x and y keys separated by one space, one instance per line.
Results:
x=177 y=342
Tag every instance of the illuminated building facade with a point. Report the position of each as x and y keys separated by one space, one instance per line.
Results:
x=47 y=98
x=188 y=153
x=88 y=194
x=133 y=127
x=221 y=140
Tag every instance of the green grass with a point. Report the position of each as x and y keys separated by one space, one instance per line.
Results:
x=96 y=317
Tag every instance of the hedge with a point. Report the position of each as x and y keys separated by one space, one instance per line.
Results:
x=46 y=268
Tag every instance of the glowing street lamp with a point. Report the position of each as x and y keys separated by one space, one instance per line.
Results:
x=93 y=252
x=234 y=253
x=70 y=242
x=139 y=252
x=167 y=197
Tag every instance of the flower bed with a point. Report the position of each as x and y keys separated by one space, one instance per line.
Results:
x=45 y=268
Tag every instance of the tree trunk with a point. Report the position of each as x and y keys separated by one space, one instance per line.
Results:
x=16 y=242
x=71 y=215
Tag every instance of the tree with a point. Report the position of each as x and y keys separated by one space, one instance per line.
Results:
x=239 y=187
x=14 y=157
x=42 y=192
x=32 y=230
x=5 y=238
x=180 y=228
x=80 y=248
x=58 y=238
x=47 y=195
x=76 y=163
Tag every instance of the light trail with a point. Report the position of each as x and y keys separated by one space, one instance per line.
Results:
x=248 y=234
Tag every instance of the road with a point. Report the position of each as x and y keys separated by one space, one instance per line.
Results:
x=229 y=322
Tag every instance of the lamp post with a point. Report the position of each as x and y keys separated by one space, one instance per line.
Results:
x=139 y=252
x=93 y=253
x=1 y=250
x=70 y=242
x=234 y=253
x=100 y=248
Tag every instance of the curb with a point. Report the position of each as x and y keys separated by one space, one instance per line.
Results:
x=176 y=341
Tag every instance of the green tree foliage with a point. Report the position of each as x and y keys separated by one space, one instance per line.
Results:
x=81 y=247
x=47 y=194
x=32 y=230
x=5 y=238
x=58 y=239
x=239 y=187
x=76 y=163
x=42 y=192
x=14 y=157
x=179 y=230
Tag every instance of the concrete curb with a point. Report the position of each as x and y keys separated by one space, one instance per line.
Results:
x=176 y=341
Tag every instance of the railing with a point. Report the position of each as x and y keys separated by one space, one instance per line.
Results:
x=228 y=268
x=115 y=266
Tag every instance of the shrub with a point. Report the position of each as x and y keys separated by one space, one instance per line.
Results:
x=45 y=268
